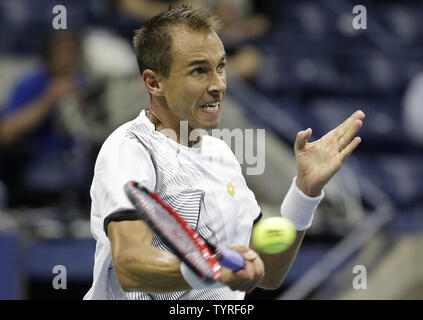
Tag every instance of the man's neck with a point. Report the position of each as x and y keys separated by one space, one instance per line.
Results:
x=168 y=124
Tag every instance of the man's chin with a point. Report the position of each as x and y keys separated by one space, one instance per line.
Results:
x=207 y=124
x=210 y=126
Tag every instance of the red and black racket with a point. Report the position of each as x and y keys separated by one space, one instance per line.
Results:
x=202 y=257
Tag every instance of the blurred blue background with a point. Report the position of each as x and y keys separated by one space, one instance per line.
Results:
x=292 y=65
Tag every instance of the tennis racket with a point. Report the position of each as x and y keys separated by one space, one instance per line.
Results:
x=201 y=256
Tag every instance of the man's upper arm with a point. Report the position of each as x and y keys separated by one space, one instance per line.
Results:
x=126 y=238
x=126 y=234
x=119 y=161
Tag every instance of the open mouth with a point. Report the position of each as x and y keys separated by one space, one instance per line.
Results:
x=212 y=107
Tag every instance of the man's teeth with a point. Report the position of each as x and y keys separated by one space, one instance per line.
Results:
x=211 y=106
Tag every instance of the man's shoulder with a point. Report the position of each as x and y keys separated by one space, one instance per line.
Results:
x=121 y=149
x=129 y=129
x=120 y=132
x=120 y=136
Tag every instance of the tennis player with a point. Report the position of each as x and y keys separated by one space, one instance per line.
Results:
x=182 y=63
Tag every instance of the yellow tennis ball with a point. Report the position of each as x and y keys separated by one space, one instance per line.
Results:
x=274 y=234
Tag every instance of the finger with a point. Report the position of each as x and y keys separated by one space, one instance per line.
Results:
x=344 y=126
x=259 y=274
x=302 y=138
x=245 y=276
x=246 y=252
x=239 y=248
x=350 y=133
x=350 y=148
x=250 y=255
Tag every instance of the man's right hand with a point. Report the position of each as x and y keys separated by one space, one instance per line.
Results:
x=248 y=278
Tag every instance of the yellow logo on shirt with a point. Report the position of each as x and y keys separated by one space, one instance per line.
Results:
x=231 y=188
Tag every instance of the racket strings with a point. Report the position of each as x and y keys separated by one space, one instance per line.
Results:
x=161 y=216
x=163 y=223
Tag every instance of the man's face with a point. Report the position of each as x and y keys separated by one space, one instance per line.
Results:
x=196 y=84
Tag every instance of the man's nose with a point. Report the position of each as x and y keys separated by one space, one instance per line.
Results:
x=218 y=83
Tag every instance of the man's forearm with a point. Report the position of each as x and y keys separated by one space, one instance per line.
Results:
x=139 y=266
x=149 y=269
x=278 y=265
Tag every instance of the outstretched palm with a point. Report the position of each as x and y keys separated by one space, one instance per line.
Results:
x=319 y=160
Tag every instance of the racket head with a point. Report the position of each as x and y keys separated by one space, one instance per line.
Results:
x=185 y=243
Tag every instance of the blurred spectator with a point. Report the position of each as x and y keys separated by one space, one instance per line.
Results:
x=240 y=24
x=143 y=10
x=413 y=109
x=42 y=159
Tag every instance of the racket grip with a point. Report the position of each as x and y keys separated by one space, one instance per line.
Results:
x=231 y=259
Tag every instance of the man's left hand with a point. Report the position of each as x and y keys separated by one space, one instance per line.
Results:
x=319 y=160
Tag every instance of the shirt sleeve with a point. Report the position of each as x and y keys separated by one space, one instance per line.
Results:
x=119 y=161
x=258 y=218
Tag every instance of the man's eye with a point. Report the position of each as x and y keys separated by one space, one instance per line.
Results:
x=197 y=71
x=221 y=66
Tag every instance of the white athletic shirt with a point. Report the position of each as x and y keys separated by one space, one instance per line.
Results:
x=205 y=185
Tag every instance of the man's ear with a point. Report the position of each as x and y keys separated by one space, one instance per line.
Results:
x=152 y=82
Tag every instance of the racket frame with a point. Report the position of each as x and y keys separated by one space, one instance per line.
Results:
x=206 y=249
